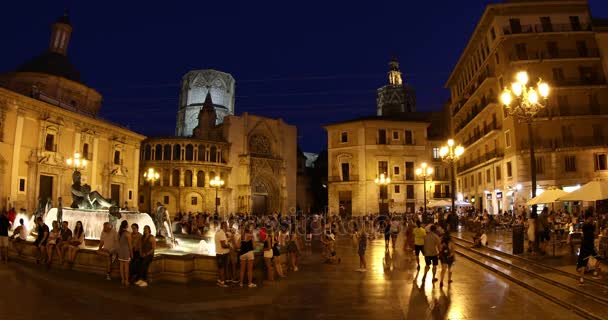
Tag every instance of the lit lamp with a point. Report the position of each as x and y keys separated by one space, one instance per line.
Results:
x=151 y=176
x=216 y=183
x=381 y=181
x=76 y=162
x=424 y=172
x=451 y=154
x=524 y=102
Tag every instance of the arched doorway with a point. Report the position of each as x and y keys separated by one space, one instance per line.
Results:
x=264 y=197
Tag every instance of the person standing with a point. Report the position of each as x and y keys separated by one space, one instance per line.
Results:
x=419 y=234
x=446 y=255
x=148 y=245
x=247 y=256
x=222 y=248
x=431 y=251
x=125 y=251
x=362 y=248
x=136 y=242
x=395 y=230
x=587 y=248
x=107 y=246
x=4 y=226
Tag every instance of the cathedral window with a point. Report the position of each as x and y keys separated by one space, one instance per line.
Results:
x=177 y=152
x=147 y=154
x=189 y=152
x=49 y=142
x=158 y=152
x=175 y=177
x=200 y=179
x=344 y=137
x=201 y=153
x=117 y=159
x=213 y=154
x=259 y=145
x=167 y=152
x=188 y=178
x=85 y=151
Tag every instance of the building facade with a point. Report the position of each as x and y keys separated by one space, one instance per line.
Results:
x=554 y=41
x=254 y=156
x=393 y=144
x=46 y=115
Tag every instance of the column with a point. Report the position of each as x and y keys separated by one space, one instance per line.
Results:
x=93 y=165
x=135 y=199
x=15 y=160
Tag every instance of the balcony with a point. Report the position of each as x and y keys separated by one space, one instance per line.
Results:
x=554 y=54
x=487 y=129
x=351 y=178
x=484 y=158
x=476 y=84
x=574 y=82
x=447 y=195
x=573 y=111
x=485 y=101
x=563 y=143
x=547 y=28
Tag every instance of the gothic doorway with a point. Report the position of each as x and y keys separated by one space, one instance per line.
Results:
x=259 y=205
x=46 y=188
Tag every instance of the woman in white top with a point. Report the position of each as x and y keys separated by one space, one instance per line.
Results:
x=76 y=243
x=52 y=242
x=22 y=232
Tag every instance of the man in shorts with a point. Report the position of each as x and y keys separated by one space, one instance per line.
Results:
x=431 y=251
x=108 y=243
x=4 y=226
x=40 y=242
x=419 y=234
x=222 y=248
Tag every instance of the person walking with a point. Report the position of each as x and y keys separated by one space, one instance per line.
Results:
x=362 y=248
x=125 y=251
x=431 y=251
x=587 y=251
x=148 y=245
x=446 y=255
x=419 y=234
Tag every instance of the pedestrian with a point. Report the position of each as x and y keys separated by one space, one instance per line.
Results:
x=77 y=242
x=4 y=226
x=41 y=239
x=247 y=255
x=395 y=230
x=419 y=235
x=386 y=227
x=292 y=248
x=587 y=257
x=268 y=254
x=362 y=247
x=222 y=248
x=148 y=245
x=276 y=255
x=125 y=251
x=136 y=242
x=431 y=251
x=446 y=255
x=108 y=247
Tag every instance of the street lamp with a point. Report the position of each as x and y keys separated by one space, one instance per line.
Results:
x=524 y=102
x=424 y=172
x=151 y=176
x=76 y=162
x=451 y=154
x=381 y=181
x=216 y=183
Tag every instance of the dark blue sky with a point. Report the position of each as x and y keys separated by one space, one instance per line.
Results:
x=308 y=62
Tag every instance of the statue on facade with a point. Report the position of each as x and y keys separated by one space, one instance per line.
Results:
x=84 y=198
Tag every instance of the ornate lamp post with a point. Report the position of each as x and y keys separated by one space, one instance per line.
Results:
x=524 y=102
x=424 y=172
x=450 y=154
x=151 y=176
x=76 y=162
x=381 y=181
x=216 y=183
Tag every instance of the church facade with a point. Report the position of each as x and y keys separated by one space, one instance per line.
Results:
x=255 y=157
x=47 y=114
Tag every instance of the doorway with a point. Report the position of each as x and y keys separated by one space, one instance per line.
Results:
x=46 y=188
x=115 y=194
x=345 y=199
x=259 y=205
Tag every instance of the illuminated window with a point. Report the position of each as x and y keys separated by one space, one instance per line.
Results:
x=436 y=153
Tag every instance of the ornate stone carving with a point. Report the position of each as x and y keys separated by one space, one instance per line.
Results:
x=260 y=145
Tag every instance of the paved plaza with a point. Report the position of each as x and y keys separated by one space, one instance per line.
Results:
x=391 y=289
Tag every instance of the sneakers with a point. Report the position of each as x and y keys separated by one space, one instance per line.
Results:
x=295 y=269
x=142 y=284
x=252 y=285
x=222 y=284
x=138 y=282
x=108 y=277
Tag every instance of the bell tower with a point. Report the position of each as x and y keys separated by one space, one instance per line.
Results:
x=395 y=97
x=60 y=35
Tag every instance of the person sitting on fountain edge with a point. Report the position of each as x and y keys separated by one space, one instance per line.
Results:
x=108 y=242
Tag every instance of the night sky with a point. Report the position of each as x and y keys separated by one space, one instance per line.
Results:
x=308 y=62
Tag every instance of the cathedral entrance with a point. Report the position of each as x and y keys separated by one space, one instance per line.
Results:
x=259 y=204
x=46 y=188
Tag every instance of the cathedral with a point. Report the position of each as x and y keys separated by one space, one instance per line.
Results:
x=47 y=115
x=254 y=156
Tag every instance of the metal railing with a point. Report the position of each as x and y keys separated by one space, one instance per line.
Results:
x=554 y=54
x=565 y=142
x=483 y=158
x=544 y=28
x=485 y=130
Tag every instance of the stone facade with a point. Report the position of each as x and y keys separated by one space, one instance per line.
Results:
x=195 y=86
x=255 y=156
x=554 y=41
x=45 y=117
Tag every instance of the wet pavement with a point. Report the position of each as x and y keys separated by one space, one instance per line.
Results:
x=391 y=289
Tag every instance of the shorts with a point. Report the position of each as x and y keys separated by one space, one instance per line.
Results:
x=583 y=257
x=418 y=249
x=221 y=260
x=268 y=254
x=431 y=259
x=544 y=236
x=247 y=256
x=3 y=241
x=447 y=260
